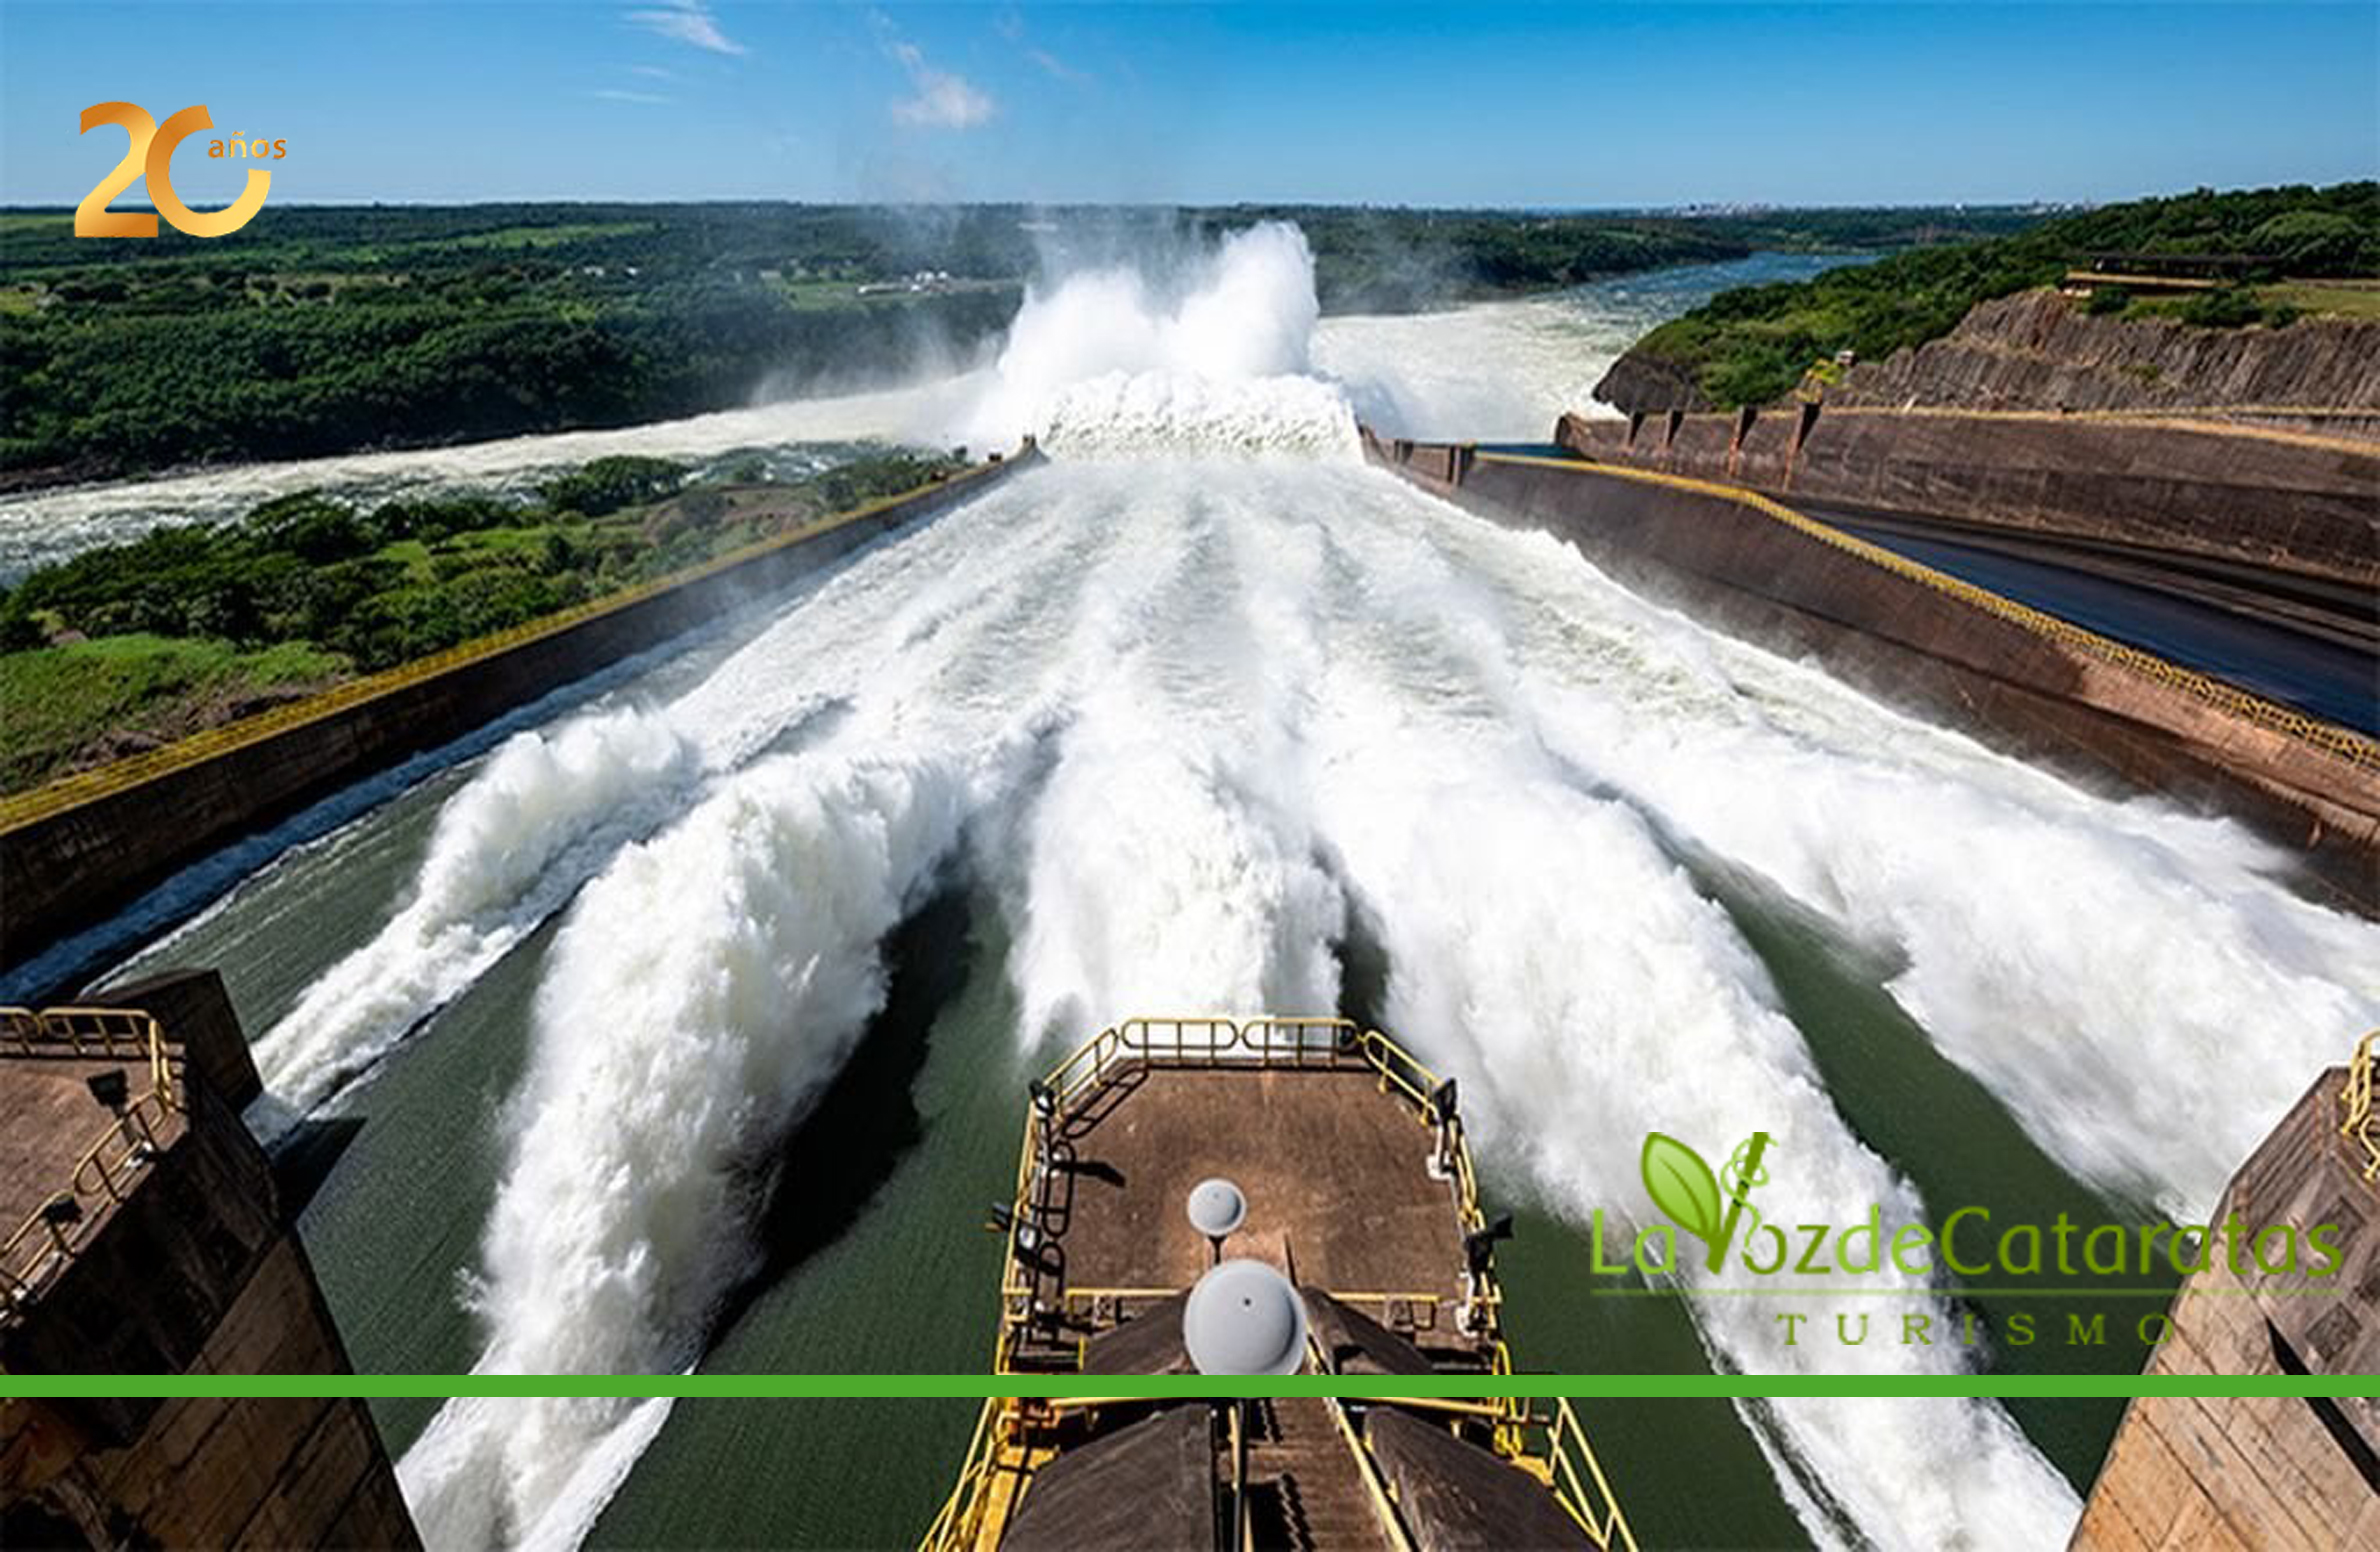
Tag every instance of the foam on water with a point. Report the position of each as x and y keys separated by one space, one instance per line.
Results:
x=41 y=527
x=2085 y=958
x=544 y=811
x=707 y=987
x=1193 y=714
x=1153 y=414
x=1101 y=364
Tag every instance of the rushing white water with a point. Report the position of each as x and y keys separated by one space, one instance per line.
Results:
x=704 y=990
x=508 y=850
x=1194 y=698
x=41 y=527
x=1503 y=371
x=1495 y=371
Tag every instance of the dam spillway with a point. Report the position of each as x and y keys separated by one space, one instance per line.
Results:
x=623 y=1027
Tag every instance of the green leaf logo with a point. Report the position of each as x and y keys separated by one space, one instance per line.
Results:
x=1682 y=1186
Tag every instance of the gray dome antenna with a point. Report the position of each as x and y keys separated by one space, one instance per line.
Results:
x=1216 y=1207
x=1243 y=1317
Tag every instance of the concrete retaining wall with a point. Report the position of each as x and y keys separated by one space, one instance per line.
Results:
x=1927 y=648
x=74 y=852
x=2283 y=1472
x=2291 y=502
x=196 y=1271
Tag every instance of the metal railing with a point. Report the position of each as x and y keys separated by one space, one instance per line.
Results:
x=2360 y=1126
x=1367 y=1468
x=41 y=1247
x=1028 y=1293
x=960 y=1522
x=2347 y=745
x=1001 y=1455
x=1554 y=1447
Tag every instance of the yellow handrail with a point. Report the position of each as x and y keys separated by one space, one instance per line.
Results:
x=1384 y=1503
x=2356 y=1095
x=41 y=1246
x=2347 y=745
x=1566 y=1463
x=956 y=1524
x=1597 y=1512
x=1211 y=1041
x=2201 y=419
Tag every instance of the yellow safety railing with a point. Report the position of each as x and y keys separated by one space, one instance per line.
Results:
x=1002 y=1453
x=959 y=1523
x=1376 y=1489
x=71 y=791
x=2356 y=1096
x=2347 y=745
x=1569 y=1466
x=1212 y=1041
x=42 y=1245
x=2201 y=419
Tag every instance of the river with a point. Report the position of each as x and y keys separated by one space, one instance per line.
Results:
x=688 y=1025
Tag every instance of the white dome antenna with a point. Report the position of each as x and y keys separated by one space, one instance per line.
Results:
x=1216 y=1207
x=1243 y=1317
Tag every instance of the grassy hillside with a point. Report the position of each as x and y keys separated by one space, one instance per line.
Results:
x=129 y=645
x=1751 y=346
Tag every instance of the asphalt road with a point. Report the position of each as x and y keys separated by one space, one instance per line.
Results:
x=2314 y=650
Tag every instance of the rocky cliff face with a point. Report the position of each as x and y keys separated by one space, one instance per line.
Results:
x=2038 y=351
x=1638 y=381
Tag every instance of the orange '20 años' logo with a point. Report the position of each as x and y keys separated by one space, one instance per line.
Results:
x=151 y=155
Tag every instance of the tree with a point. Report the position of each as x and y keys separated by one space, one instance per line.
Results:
x=2315 y=242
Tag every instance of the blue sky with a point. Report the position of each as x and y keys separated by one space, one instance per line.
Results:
x=1574 y=105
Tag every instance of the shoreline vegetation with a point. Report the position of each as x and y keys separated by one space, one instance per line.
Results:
x=326 y=330
x=347 y=328
x=2282 y=252
x=129 y=646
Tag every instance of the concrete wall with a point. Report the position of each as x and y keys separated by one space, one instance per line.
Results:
x=197 y=1271
x=1909 y=644
x=64 y=866
x=2188 y=1472
x=2288 y=502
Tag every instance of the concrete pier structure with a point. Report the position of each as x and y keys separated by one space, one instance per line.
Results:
x=2285 y=1472
x=146 y=1236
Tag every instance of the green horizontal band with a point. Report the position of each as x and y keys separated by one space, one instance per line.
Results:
x=1172 y=1386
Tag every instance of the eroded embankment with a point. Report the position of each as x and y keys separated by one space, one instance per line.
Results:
x=2022 y=680
x=81 y=848
x=2038 y=350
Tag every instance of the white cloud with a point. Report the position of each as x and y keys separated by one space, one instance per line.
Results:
x=653 y=72
x=944 y=100
x=1058 y=67
x=687 y=21
x=615 y=94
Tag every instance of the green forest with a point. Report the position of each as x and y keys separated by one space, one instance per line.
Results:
x=321 y=330
x=130 y=645
x=1752 y=345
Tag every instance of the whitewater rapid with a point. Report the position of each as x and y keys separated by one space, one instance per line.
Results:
x=1199 y=701
x=1189 y=717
